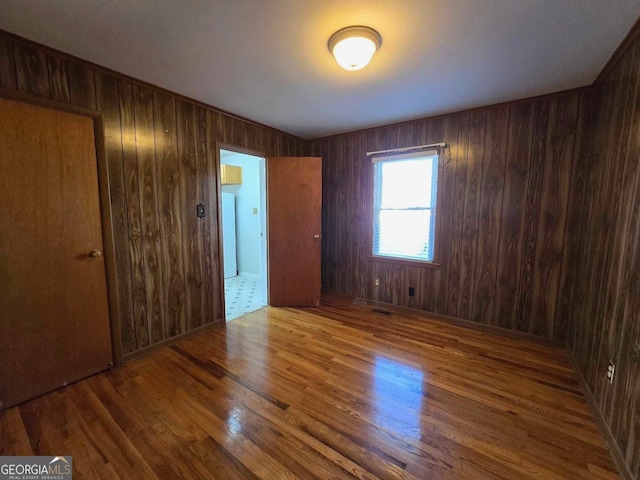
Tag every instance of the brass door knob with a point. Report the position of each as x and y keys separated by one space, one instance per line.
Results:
x=95 y=254
x=316 y=236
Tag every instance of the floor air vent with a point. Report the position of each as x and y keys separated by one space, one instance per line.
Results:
x=379 y=310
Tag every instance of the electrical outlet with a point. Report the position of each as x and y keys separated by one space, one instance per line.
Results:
x=377 y=282
x=412 y=292
x=611 y=371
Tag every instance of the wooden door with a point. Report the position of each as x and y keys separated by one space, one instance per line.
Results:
x=294 y=204
x=54 y=319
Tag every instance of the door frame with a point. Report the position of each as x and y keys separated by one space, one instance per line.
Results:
x=247 y=151
x=105 y=206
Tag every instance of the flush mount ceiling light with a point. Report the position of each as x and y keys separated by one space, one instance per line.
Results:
x=354 y=46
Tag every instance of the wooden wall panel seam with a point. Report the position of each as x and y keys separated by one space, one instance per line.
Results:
x=109 y=105
x=144 y=118
x=538 y=150
x=491 y=320
x=59 y=80
x=133 y=216
x=487 y=258
x=29 y=77
x=473 y=288
x=576 y=144
x=472 y=212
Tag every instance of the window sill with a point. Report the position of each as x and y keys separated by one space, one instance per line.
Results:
x=403 y=261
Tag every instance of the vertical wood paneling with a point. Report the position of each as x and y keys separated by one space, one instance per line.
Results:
x=457 y=212
x=108 y=103
x=623 y=337
x=613 y=300
x=211 y=240
x=398 y=286
x=575 y=227
x=603 y=280
x=423 y=134
x=7 y=65
x=600 y=228
x=387 y=283
x=134 y=216
x=492 y=187
x=329 y=217
x=469 y=241
x=342 y=228
x=513 y=209
x=358 y=199
x=532 y=214
x=168 y=175
x=32 y=70
x=59 y=80
x=445 y=224
x=191 y=193
x=553 y=212
x=365 y=221
x=160 y=153
x=205 y=179
x=82 y=85
x=429 y=279
x=588 y=333
x=148 y=188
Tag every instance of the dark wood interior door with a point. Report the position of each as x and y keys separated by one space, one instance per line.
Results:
x=54 y=318
x=294 y=204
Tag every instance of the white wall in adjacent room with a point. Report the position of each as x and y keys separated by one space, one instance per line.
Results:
x=248 y=198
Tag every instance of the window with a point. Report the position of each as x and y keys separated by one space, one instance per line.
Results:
x=405 y=192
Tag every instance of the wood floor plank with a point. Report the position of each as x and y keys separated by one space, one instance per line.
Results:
x=329 y=392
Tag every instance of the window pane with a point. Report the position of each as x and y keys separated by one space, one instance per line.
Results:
x=406 y=183
x=404 y=233
x=404 y=207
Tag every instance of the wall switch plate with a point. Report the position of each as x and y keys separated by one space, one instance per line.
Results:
x=200 y=210
x=255 y=211
x=377 y=282
x=611 y=371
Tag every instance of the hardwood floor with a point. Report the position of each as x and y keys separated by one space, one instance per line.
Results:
x=331 y=392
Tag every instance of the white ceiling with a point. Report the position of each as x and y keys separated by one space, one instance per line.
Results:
x=267 y=60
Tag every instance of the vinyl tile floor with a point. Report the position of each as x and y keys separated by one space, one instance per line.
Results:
x=244 y=294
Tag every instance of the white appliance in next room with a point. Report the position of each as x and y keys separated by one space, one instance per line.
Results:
x=229 y=234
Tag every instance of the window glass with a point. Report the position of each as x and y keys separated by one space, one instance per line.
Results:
x=405 y=193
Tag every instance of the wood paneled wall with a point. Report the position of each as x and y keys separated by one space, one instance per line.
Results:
x=161 y=158
x=505 y=197
x=603 y=282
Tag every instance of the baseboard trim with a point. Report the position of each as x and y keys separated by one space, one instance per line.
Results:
x=143 y=352
x=503 y=332
x=614 y=449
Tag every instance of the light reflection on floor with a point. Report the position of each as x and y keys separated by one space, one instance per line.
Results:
x=398 y=391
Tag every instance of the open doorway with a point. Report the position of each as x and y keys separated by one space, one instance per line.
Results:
x=244 y=234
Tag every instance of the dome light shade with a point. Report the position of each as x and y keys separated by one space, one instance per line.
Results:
x=354 y=46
